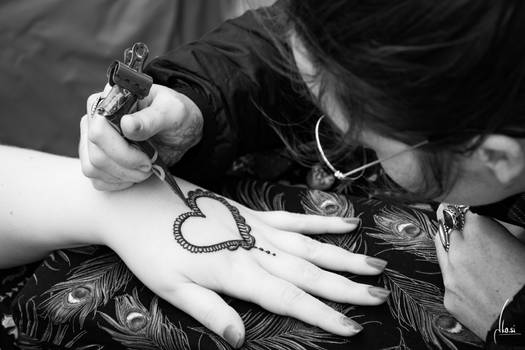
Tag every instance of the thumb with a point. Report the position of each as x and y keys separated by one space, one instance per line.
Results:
x=144 y=124
x=211 y=310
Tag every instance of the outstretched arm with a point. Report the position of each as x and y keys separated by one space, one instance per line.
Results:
x=45 y=204
x=185 y=254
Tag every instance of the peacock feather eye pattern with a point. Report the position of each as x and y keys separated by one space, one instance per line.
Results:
x=405 y=230
x=328 y=204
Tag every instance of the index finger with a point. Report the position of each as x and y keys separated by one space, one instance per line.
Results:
x=113 y=145
x=308 y=223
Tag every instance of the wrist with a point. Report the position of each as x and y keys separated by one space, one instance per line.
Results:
x=148 y=206
x=47 y=205
x=82 y=207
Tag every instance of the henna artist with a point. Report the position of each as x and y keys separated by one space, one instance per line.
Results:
x=435 y=88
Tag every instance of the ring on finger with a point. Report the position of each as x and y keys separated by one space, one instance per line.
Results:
x=453 y=219
x=94 y=106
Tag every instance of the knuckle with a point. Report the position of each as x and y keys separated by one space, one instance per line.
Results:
x=95 y=131
x=87 y=169
x=134 y=176
x=311 y=273
x=234 y=270
x=97 y=159
x=168 y=289
x=302 y=225
x=99 y=185
x=292 y=296
x=311 y=247
x=180 y=109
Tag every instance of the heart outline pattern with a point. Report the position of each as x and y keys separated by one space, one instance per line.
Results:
x=247 y=241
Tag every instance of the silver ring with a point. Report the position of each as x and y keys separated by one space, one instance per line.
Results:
x=453 y=219
x=94 y=106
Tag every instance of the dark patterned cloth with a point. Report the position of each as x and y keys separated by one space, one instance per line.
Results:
x=11 y=282
x=87 y=298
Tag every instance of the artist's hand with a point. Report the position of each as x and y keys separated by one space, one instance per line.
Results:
x=483 y=268
x=140 y=231
x=170 y=119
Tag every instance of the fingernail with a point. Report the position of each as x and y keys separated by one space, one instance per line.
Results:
x=378 y=292
x=349 y=323
x=376 y=263
x=233 y=337
x=354 y=221
x=145 y=168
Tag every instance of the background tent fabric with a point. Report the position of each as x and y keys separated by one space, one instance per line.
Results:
x=54 y=54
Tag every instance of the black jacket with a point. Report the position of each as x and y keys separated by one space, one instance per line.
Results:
x=228 y=74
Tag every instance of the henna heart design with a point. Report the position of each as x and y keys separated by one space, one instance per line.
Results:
x=247 y=241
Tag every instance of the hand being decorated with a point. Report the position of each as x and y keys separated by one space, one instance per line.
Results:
x=187 y=255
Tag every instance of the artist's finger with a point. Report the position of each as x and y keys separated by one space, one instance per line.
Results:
x=102 y=161
x=106 y=138
x=308 y=224
x=284 y=298
x=211 y=310
x=324 y=284
x=99 y=179
x=326 y=255
x=108 y=187
x=163 y=113
x=88 y=169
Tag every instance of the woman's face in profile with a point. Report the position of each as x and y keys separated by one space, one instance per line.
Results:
x=471 y=186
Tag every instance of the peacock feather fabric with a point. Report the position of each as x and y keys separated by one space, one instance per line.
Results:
x=86 y=298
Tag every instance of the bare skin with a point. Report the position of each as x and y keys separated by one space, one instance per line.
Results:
x=112 y=164
x=138 y=225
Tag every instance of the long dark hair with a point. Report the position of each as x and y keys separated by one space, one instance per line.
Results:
x=448 y=71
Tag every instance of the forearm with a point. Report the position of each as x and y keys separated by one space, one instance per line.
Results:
x=45 y=204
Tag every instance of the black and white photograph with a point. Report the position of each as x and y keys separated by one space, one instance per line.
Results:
x=262 y=174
